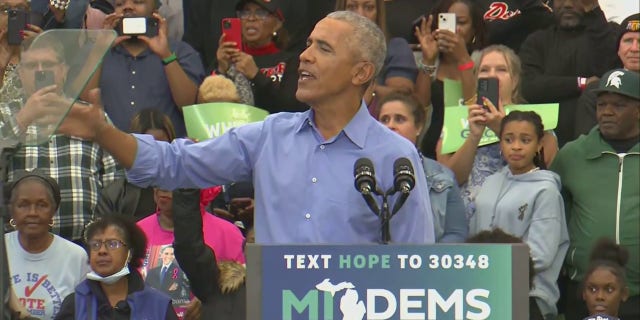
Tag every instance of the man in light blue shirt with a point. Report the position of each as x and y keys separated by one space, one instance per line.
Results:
x=301 y=164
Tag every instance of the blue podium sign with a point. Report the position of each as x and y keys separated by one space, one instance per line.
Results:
x=326 y=282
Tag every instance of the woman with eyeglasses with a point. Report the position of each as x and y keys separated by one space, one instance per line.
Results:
x=271 y=71
x=44 y=268
x=114 y=289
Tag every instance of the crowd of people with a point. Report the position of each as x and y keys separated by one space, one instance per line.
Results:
x=115 y=213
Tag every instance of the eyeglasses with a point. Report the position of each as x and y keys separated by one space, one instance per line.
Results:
x=259 y=13
x=111 y=244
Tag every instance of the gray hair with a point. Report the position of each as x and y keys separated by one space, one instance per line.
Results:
x=367 y=39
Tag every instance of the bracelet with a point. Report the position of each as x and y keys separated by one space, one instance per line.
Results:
x=169 y=59
x=582 y=83
x=60 y=4
x=466 y=66
x=426 y=69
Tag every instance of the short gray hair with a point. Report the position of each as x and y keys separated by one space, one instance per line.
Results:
x=367 y=38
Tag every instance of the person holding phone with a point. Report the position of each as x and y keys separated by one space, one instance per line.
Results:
x=261 y=58
x=448 y=36
x=473 y=163
x=144 y=70
x=523 y=199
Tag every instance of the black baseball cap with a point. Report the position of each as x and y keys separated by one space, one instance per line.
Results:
x=269 y=5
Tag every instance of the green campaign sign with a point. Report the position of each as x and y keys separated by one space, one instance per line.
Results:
x=456 y=125
x=210 y=120
x=452 y=93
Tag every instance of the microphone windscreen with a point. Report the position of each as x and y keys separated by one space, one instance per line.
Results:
x=361 y=164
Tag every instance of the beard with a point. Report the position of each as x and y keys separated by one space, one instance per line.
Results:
x=568 y=19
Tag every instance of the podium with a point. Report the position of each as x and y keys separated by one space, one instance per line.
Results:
x=354 y=282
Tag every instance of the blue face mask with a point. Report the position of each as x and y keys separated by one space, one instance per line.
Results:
x=114 y=277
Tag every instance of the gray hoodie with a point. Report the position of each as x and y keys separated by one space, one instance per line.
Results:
x=528 y=206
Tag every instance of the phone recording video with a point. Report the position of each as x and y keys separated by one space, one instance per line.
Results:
x=138 y=26
x=488 y=88
x=17 y=20
x=232 y=29
x=447 y=21
x=43 y=78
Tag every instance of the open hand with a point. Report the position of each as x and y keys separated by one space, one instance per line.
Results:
x=428 y=43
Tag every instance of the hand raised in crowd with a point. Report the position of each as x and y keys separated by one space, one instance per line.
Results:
x=493 y=116
x=225 y=53
x=245 y=64
x=111 y=21
x=452 y=43
x=193 y=310
x=160 y=43
x=477 y=121
x=85 y=121
x=428 y=43
x=44 y=107
x=31 y=31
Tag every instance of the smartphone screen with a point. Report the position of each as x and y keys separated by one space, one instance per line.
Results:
x=43 y=78
x=17 y=21
x=447 y=21
x=232 y=29
x=488 y=88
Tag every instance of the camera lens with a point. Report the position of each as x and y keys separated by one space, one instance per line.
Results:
x=226 y=24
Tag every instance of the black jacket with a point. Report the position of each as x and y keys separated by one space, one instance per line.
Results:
x=122 y=197
x=554 y=58
x=220 y=286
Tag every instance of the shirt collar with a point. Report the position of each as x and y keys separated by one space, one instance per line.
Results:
x=356 y=130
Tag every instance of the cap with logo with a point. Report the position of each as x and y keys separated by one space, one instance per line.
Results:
x=269 y=5
x=620 y=81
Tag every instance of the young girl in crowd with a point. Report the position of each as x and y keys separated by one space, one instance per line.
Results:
x=604 y=286
x=524 y=200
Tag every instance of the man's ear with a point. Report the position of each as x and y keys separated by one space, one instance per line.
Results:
x=362 y=73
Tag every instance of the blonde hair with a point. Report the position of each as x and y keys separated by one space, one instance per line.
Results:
x=513 y=63
x=217 y=88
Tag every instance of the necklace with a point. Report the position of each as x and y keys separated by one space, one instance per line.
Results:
x=534 y=170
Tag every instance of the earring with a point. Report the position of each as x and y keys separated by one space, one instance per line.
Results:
x=13 y=223
x=275 y=34
x=51 y=224
x=473 y=40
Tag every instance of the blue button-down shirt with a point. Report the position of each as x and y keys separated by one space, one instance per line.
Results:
x=131 y=84
x=304 y=185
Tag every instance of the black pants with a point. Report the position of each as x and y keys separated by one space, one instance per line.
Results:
x=576 y=309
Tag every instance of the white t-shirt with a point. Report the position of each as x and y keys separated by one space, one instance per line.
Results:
x=42 y=280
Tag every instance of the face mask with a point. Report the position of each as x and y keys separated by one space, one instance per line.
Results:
x=114 y=277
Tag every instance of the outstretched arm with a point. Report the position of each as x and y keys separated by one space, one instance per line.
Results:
x=196 y=259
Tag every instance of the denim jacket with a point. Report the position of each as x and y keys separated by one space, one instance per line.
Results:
x=449 y=214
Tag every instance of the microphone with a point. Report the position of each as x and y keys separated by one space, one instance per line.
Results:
x=403 y=178
x=403 y=181
x=365 y=176
x=365 y=182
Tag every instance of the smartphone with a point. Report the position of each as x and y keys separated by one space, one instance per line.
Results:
x=17 y=21
x=138 y=26
x=43 y=78
x=232 y=29
x=447 y=21
x=488 y=88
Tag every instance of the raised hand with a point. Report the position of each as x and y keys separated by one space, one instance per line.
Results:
x=160 y=43
x=453 y=44
x=245 y=64
x=226 y=51
x=428 y=43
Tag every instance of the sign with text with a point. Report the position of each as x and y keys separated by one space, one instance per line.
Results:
x=456 y=124
x=388 y=282
x=210 y=120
